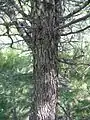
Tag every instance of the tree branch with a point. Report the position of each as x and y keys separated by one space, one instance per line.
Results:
x=73 y=22
x=65 y=34
x=64 y=111
x=76 y=10
x=71 y=62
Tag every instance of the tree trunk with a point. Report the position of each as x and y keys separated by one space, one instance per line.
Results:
x=45 y=51
x=45 y=75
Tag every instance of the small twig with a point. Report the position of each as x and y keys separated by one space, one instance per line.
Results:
x=64 y=111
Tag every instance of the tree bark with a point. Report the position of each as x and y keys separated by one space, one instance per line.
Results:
x=45 y=76
x=45 y=51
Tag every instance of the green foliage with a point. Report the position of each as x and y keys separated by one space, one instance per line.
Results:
x=75 y=92
x=15 y=84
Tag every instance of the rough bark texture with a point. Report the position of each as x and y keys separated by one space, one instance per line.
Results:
x=45 y=50
x=45 y=72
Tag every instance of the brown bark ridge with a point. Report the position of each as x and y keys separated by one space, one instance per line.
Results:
x=45 y=50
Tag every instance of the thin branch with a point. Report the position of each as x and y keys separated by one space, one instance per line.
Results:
x=66 y=61
x=71 y=62
x=65 y=34
x=76 y=10
x=19 y=9
x=4 y=34
x=64 y=111
x=73 y=22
